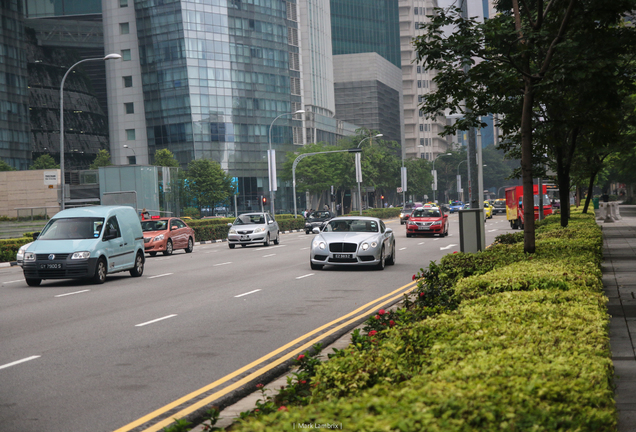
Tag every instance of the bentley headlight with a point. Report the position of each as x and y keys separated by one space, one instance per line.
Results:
x=374 y=244
x=81 y=255
x=322 y=245
x=232 y=231
x=364 y=246
x=158 y=238
x=29 y=256
x=259 y=230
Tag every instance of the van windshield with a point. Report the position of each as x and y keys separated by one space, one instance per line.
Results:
x=72 y=228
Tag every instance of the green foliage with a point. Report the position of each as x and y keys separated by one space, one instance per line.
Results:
x=5 y=166
x=9 y=248
x=192 y=212
x=208 y=183
x=101 y=160
x=44 y=162
x=164 y=157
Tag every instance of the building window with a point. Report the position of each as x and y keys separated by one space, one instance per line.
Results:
x=419 y=83
x=129 y=108
x=125 y=55
x=130 y=134
x=298 y=135
x=127 y=81
x=295 y=86
x=421 y=128
x=123 y=3
x=421 y=113
x=132 y=160
x=124 y=28
x=291 y=12
x=415 y=10
x=421 y=142
x=294 y=63
x=419 y=69
x=292 y=36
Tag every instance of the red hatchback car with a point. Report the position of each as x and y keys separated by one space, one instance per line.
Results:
x=166 y=234
x=427 y=220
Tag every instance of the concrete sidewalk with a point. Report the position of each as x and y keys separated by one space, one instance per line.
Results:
x=619 y=279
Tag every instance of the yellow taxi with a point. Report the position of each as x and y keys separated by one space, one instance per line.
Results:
x=488 y=209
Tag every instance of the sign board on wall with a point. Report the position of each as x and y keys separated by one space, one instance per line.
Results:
x=50 y=178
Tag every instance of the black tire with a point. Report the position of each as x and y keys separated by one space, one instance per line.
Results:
x=101 y=270
x=391 y=260
x=190 y=247
x=446 y=232
x=33 y=281
x=401 y=222
x=266 y=242
x=169 y=248
x=315 y=266
x=138 y=269
x=152 y=253
x=408 y=235
x=277 y=239
x=231 y=245
x=243 y=245
x=382 y=263
x=306 y=232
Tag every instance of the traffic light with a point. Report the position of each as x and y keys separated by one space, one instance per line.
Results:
x=381 y=196
x=264 y=200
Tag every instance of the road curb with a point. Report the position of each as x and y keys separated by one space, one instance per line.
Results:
x=8 y=264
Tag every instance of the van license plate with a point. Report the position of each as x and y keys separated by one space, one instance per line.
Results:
x=342 y=256
x=51 y=266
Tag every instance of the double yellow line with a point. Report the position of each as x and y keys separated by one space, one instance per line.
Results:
x=356 y=314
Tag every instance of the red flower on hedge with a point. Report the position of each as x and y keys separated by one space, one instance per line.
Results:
x=373 y=333
x=377 y=317
x=260 y=386
x=414 y=277
x=303 y=382
x=300 y=357
x=421 y=294
x=381 y=312
x=282 y=408
x=391 y=323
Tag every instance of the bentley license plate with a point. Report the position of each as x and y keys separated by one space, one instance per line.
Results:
x=342 y=256
x=50 y=266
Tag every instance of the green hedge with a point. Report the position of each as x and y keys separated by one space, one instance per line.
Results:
x=385 y=213
x=525 y=348
x=9 y=248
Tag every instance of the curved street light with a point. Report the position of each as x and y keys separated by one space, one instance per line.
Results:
x=438 y=156
x=108 y=57
x=270 y=160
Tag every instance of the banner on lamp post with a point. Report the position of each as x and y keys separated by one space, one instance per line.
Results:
x=271 y=165
x=404 y=179
x=358 y=169
x=434 y=172
x=459 y=183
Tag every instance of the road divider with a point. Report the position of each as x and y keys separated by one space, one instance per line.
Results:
x=199 y=399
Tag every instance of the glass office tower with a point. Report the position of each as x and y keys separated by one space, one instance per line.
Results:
x=213 y=75
x=15 y=148
x=362 y=26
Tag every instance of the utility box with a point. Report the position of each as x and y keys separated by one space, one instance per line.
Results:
x=472 y=230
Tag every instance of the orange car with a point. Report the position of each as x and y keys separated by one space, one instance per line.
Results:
x=166 y=234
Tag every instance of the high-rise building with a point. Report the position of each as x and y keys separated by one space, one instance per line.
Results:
x=362 y=26
x=15 y=147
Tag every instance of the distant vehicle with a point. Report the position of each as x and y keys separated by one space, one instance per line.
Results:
x=406 y=211
x=87 y=242
x=499 y=206
x=427 y=220
x=251 y=228
x=514 y=205
x=166 y=234
x=317 y=219
x=488 y=210
x=456 y=206
x=349 y=240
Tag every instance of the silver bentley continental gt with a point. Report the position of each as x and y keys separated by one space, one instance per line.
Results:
x=353 y=240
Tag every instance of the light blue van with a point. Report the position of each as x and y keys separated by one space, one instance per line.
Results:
x=87 y=242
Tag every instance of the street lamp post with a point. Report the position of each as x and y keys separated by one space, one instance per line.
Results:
x=359 y=192
x=271 y=160
x=108 y=57
x=133 y=150
x=435 y=179
x=458 y=182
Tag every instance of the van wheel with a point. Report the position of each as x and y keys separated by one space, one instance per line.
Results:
x=231 y=245
x=33 y=281
x=100 y=272
x=138 y=269
x=190 y=247
x=169 y=249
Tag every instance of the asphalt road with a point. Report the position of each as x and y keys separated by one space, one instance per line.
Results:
x=81 y=357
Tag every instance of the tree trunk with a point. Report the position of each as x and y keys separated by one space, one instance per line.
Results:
x=526 y=168
x=590 y=190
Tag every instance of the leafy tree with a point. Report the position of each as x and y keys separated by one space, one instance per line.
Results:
x=418 y=178
x=101 y=160
x=165 y=157
x=515 y=55
x=5 y=166
x=44 y=162
x=208 y=183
